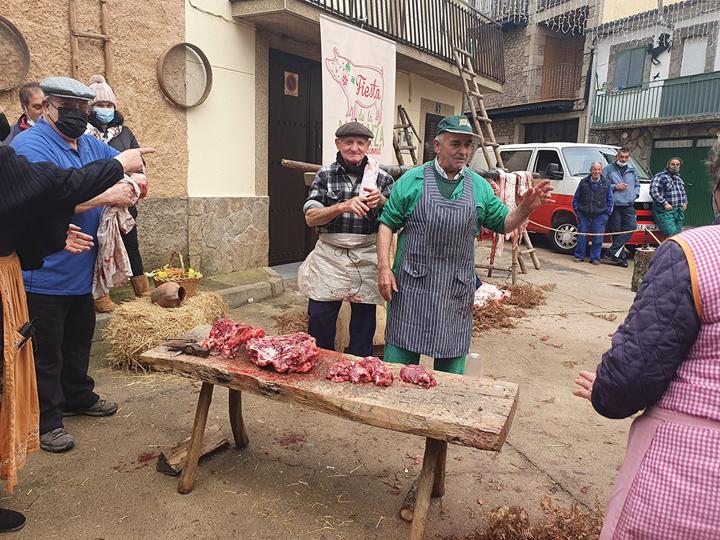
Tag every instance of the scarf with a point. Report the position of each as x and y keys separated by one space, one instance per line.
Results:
x=357 y=170
x=104 y=136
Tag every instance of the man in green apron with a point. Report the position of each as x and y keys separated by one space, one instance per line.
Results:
x=344 y=203
x=441 y=207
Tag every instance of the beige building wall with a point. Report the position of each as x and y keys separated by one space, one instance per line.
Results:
x=221 y=131
x=140 y=32
x=411 y=90
x=619 y=9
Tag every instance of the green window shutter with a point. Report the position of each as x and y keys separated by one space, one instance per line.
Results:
x=622 y=67
x=637 y=67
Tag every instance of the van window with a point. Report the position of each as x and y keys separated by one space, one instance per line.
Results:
x=544 y=158
x=516 y=160
x=579 y=159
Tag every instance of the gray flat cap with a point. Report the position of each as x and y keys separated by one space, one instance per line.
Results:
x=353 y=129
x=66 y=87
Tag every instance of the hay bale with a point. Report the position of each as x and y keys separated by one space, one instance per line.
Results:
x=138 y=326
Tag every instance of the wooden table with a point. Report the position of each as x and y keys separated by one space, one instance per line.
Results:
x=460 y=410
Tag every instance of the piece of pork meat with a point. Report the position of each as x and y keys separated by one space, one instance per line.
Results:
x=295 y=353
x=229 y=337
x=417 y=375
x=366 y=370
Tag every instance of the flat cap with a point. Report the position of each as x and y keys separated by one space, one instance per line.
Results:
x=66 y=87
x=353 y=129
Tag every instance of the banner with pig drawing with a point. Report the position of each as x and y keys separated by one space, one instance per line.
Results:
x=358 y=84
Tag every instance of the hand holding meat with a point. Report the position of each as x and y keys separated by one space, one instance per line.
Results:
x=373 y=197
x=132 y=160
x=356 y=206
x=585 y=381
x=76 y=241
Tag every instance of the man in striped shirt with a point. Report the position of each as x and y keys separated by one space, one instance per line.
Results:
x=667 y=190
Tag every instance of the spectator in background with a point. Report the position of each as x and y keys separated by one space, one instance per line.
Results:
x=4 y=125
x=626 y=188
x=592 y=204
x=714 y=166
x=31 y=99
x=667 y=190
x=107 y=124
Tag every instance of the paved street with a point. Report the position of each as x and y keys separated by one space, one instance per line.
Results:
x=308 y=475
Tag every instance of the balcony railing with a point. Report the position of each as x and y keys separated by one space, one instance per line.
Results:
x=434 y=27
x=560 y=81
x=696 y=96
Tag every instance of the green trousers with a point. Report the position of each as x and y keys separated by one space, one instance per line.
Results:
x=669 y=221
x=403 y=356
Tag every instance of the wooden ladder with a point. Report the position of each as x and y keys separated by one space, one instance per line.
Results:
x=75 y=36
x=481 y=122
x=483 y=128
x=407 y=145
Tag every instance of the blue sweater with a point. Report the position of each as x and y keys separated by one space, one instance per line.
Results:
x=626 y=175
x=63 y=273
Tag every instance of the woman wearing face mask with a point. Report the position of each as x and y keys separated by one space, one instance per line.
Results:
x=107 y=124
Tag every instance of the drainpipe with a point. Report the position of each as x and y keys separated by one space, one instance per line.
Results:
x=589 y=93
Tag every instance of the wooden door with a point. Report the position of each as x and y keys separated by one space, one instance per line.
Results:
x=294 y=132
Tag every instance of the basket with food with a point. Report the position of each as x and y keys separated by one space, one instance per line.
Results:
x=186 y=278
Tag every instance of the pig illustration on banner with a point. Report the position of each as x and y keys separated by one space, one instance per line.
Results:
x=362 y=85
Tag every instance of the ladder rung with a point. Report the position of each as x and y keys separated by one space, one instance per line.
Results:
x=483 y=120
x=406 y=147
x=469 y=72
x=476 y=94
x=402 y=126
x=91 y=35
x=462 y=51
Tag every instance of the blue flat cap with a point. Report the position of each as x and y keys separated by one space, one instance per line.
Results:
x=66 y=87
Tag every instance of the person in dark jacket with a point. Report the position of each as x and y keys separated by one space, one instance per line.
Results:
x=31 y=100
x=107 y=124
x=37 y=202
x=592 y=204
x=4 y=126
x=626 y=189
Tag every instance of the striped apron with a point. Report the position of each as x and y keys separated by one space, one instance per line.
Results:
x=431 y=313
x=669 y=484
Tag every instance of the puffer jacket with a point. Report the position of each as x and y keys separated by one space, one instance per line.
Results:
x=654 y=340
x=629 y=176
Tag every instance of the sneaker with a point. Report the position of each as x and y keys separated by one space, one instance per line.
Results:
x=57 y=440
x=100 y=408
x=610 y=257
x=595 y=262
x=624 y=264
x=11 y=521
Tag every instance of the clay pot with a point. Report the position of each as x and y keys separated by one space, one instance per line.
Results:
x=168 y=295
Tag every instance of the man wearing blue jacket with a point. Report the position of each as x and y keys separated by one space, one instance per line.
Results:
x=626 y=188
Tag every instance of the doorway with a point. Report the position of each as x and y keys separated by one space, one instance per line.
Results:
x=294 y=132
x=546 y=132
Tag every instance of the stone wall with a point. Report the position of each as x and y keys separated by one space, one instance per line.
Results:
x=504 y=129
x=515 y=44
x=228 y=234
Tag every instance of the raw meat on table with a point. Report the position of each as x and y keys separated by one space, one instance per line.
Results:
x=228 y=337
x=417 y=375
x=292 y=352
x=367 y=370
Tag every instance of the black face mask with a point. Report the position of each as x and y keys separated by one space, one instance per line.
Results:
x=71 y=122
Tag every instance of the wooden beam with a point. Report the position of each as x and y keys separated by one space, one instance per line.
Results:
x=171 y=461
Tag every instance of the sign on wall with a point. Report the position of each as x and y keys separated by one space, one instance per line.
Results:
x=358 y=84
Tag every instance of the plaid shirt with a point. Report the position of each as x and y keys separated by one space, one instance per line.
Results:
x=332 y=185
x=668 y=188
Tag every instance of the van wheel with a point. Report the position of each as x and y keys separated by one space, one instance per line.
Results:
x=564 y=240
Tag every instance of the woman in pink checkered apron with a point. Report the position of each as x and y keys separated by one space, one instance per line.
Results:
x=665 y=359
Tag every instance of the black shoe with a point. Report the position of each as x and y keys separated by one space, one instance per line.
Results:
x=100 y=408
x=611 y=258
x=624 y=264
x=11 y=521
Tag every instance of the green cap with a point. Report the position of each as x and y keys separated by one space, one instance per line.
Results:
x=455 y=124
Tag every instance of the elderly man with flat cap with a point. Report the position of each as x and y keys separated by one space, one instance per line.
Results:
x=59 y=294
x=344 y=204
x=440 y=207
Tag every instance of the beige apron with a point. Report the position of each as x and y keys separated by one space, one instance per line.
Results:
x=342 y=266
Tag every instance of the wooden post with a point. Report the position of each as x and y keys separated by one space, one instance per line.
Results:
x=514 y=265
x=236 y=420
x=531 y=250
x=643 y=256
x=196 y=440
x=433 y=448
x=107 y=50
x=439 y=484
x=74 y=46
